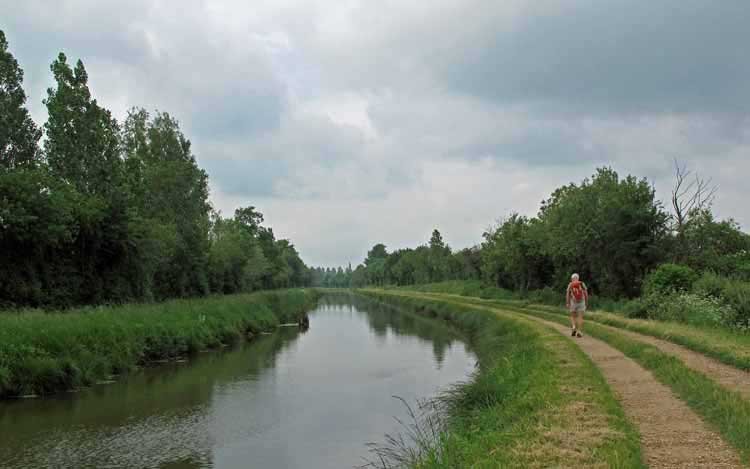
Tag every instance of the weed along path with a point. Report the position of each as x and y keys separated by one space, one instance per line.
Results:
x=672 y=435
x=730 y=377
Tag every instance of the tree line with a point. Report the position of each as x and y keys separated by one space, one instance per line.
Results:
x=93 y=210
x=611 y=230
x=428 y=263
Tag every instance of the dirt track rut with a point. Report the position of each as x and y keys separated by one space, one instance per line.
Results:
x=672 y=435
x=730 y=377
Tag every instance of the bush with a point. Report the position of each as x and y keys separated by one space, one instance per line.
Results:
x=668 y=278
x=692 y=309
x=547 y=296
x=637 y=308
x=731 y=292
x=710 y=284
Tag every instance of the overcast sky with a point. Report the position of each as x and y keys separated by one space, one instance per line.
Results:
x=354 y=122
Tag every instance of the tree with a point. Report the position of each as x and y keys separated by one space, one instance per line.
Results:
x=168 y=193
x=514 y=254
x=466 y=264
x=83 y=150
x=377 y=252
x=438 y=258
x=82 y=145
x=611 y=230
x=19 y=134
x=112 y=214
x=708 y=244
x=436 y=241
x=249 y=218
x=690 y=196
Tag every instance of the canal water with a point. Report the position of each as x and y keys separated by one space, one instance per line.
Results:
x=291 y=399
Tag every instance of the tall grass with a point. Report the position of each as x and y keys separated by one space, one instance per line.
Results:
x=42 y=353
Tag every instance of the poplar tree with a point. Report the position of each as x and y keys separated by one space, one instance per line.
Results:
x=19 y=134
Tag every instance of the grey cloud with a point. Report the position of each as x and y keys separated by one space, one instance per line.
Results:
x=246 y=177
x=136 y=55
x=569 y=56
x=234 y=114
x=476 y=107
x=682 y=56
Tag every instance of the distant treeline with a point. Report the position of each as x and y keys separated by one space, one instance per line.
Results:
x=104 y=211
x=611 y=230
x=434 y=262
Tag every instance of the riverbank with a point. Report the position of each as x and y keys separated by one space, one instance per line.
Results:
x=520 y=409
x=715 y=392
x=43 y=353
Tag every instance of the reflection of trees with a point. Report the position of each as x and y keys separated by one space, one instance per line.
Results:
x=383 y=317
x=175 y=389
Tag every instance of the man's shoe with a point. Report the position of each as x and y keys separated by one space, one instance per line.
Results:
x=573 y=333
x=578 y=334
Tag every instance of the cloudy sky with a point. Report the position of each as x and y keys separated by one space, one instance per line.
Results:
x=354 y=122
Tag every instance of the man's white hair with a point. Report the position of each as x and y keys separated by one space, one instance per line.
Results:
x=574 y=277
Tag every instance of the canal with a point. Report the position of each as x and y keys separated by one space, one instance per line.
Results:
x=290 y=399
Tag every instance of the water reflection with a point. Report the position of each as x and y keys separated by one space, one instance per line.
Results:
x=283 y=400
x=383 y=318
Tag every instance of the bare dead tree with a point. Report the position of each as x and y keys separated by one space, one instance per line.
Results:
x=690 y=194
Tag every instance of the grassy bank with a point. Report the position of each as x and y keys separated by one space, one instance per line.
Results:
x=727 y=411
x=725 y=345
x=42 y=353
x=729 y=346
x=520 y=410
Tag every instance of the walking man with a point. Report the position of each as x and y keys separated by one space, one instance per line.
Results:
x=576 y=300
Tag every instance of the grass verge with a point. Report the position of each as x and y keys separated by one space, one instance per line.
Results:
x=726 y=410
x=536 y=400
x=731 y=348
x=42 y=353
x=727 y=346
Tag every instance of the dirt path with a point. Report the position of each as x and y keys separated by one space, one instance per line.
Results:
x=672 y=435
x=728 y=376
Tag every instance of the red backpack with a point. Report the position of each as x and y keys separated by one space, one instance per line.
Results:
x=576 y=288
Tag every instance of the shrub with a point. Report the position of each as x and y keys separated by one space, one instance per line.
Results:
x=731 y=292
x=637 y=308
x=547 y=296
x=710 y=284
x=693 y=309
x=668 y=278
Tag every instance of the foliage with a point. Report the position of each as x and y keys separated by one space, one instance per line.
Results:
x=18 y=132
x=692 y=309
x=733 y=293
x=110 y=213
x=514 y=256
x=713 y=245
x=668 y=278
x=433 y=262
x=608 y=229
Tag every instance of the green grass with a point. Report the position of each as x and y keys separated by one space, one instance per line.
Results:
x=521 y=408
x=464 y=288
x=726 y=410
x=42 y=353
x=725 y=345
